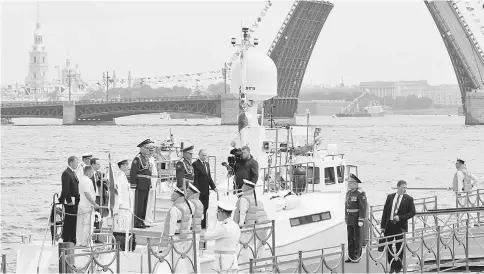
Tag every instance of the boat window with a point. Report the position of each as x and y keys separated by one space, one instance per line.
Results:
x=329 y=177
x=309 y=219
x=316 y=172
x=341 y=173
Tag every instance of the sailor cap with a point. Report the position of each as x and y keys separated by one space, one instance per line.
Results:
x=226 y=203
x=250 y=183
x=460 y=160
x=87 y=155
x=194 y=188
x=176 y=189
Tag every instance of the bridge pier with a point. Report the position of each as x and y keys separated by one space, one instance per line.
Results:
x=229 y=109
x=69 y=117
x=474 y=108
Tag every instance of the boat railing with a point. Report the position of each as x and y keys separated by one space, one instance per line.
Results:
x=421 y=205
x=329 y=259
x=256 y=239
x=172 y=251
x=449 y=243
x=4 y=263
x=283 y=177
x=88 y=259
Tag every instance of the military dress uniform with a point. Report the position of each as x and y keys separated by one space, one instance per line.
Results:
x=184 y=171
x=355 y=213
x=226 y=235
x=141 y=181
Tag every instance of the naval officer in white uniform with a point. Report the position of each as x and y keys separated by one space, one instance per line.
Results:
x=226 y=234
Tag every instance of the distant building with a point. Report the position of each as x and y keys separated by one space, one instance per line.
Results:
x=381 y=88
x=36 y=80
x=71 y=77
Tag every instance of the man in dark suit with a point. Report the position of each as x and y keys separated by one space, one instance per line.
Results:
x=399 y=208
x=203 y=180
x=70 y=198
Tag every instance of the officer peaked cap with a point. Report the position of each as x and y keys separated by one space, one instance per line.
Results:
x=145 y=142
x=87 y=155
x=123 y=159
x=353 y=176
x=249 y=183
x=461 y=161
x=194 y=188
x=188 y=149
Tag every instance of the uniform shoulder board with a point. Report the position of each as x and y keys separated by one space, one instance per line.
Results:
x=179 y=164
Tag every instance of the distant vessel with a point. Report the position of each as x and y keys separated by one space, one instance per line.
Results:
x=165 y=116
x=372 y=109
x=7 y=121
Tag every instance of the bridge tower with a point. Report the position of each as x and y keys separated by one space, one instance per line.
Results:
x=464 y=45
x=291 y=50
x=36 y=80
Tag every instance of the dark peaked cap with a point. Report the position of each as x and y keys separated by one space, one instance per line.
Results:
x=460 y=160
x=188 y=149
x=145 y=142
x=355 y=178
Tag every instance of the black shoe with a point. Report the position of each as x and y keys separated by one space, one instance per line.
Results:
x=348 y=260
x=139 y=226
x=97 y=241
x=146 y=226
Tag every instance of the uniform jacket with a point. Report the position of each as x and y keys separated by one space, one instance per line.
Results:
x=184 y=170
x=355 y=207
x=140 y=165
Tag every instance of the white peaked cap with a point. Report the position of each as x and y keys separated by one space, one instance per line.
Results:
x=226 y=203
x=250 y=183
x=179 y=190
x=194 y=188
x=87 y=154
x=125 y=158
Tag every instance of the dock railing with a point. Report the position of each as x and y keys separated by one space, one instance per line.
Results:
x=449 y=241
x=328 y=260
x=421 y=205
x=474 y=198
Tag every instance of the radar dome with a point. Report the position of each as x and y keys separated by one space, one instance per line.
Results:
x=261 y=76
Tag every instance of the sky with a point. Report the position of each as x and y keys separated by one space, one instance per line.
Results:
x=361 y=40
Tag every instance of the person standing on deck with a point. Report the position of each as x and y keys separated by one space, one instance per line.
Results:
x=86 y=205
x=86 y=161
x=122 y=198
x=355 y=213
x=140 y=175
x=184 y=169
x=154 y=174
x=226 y=235
x=247 y=168
x=464 y=180
x=70 y=198
x=203 y=181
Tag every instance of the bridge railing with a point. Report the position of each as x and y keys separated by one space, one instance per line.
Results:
x=129 y=100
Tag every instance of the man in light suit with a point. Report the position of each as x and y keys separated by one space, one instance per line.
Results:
x=399 y=208
x=70 y=198
x=203 y=180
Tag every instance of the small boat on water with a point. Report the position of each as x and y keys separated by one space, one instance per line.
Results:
x=372 y=109
x=7 y=121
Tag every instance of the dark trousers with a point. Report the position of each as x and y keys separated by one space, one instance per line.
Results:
x=70 y=223
x=141 y=201
x=354 y=241
x=393 y=229
x=204 y=199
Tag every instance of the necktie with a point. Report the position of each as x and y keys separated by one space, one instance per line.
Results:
x=396 y=205
x=205 y=166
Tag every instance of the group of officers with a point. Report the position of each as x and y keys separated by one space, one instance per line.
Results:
x=190 y=199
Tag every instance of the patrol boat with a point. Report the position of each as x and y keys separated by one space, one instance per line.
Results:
x=302 y=189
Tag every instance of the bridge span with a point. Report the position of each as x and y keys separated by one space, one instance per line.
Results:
x=104 y=111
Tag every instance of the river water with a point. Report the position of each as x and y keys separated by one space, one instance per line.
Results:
x=419 y=149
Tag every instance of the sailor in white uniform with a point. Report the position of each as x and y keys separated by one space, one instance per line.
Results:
x=122 y=199
x=226 y=234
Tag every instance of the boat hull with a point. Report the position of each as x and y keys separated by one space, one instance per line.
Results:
x=379 y=114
